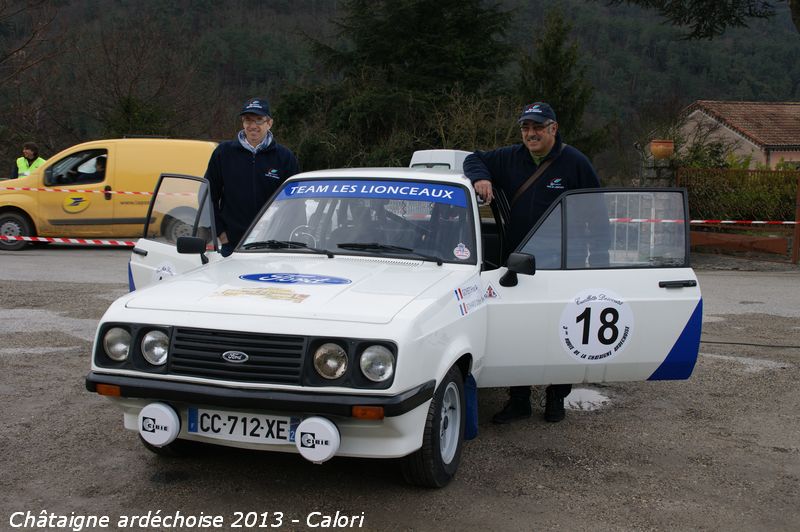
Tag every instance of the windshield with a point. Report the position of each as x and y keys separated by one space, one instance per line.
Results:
x=390 y=218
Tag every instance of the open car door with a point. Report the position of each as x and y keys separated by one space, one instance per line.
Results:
x=181 y=206
x=613 y=297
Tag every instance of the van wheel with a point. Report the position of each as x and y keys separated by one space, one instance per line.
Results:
x=174 y=228
x=436 y=462
x=13 y=224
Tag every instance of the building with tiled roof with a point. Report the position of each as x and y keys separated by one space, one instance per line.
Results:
x=768 y=132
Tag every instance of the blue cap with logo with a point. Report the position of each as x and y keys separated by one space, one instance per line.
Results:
x=256 y=106
x=539 y=112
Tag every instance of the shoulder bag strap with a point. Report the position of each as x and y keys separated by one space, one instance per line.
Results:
x=532 y=179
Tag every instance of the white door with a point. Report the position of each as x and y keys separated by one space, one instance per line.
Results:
x=181 y=206
x=613 y=297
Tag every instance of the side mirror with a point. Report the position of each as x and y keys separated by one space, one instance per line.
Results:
x=518 y=263
x=192 y=245
x=522 y=263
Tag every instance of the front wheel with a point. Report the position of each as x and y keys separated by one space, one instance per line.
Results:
x=436 y=462
x=13 y=224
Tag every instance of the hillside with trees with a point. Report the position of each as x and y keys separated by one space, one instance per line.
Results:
x=356 y=82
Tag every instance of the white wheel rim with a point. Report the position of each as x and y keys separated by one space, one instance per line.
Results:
x=183 y=229
x=449 y=423
x=10 y=228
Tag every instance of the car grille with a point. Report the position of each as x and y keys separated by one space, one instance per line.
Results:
x=276 y=359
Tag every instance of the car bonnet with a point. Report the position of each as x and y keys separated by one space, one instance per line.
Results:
x=367 y=290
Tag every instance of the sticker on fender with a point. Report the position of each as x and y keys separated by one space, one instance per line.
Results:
x=596 y=325
x=469 y=298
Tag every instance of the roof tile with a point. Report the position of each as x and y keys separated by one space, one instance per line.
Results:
x=769 y=124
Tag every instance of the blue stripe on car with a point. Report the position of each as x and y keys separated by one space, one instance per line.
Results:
x=131 y=286
x=681 y=359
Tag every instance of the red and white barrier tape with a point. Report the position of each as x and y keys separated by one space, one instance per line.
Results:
x=644 y=221
x=89 y=241
x=78 y=190
x=96 y=191
x=742 y=222
x=696 y=222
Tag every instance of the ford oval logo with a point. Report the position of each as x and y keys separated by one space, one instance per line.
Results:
x=235 y=356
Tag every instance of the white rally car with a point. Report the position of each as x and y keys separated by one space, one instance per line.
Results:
x=363 y=305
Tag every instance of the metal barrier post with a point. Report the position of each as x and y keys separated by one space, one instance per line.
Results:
x=796 y=239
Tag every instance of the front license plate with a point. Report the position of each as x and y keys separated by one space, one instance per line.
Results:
x=242 y=427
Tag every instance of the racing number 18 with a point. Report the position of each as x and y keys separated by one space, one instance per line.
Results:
x=608 y=320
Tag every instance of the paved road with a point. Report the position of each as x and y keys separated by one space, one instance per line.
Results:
x=72 y=264
x=719 y=452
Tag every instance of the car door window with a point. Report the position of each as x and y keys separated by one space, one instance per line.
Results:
x=83 y=167
x=545 y=243
x=179 y=208
x=612 y=229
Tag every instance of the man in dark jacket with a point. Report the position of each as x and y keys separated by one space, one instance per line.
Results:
x=245 y=172
x=508 y=169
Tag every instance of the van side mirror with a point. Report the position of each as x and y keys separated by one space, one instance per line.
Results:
x=191 y=245
x=518 y=263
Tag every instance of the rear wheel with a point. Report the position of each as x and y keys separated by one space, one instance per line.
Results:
x=436 y=462
x=13 y=224
x=174 y=228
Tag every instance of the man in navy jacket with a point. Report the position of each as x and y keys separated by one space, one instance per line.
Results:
x=507 y=169
x=245 y=172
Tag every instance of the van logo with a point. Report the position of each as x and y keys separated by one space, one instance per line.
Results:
x=75 y=203
x=235 y=356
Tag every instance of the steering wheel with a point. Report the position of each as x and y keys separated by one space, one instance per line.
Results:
x=301 y=233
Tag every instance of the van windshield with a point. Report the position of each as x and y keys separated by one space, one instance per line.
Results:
x=397 y=218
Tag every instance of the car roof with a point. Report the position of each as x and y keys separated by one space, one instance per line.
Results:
x=443 y=175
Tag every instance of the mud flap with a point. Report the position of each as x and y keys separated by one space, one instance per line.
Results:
x=471 y=415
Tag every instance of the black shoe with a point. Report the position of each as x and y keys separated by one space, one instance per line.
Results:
x=514 y=409
x=554 y=405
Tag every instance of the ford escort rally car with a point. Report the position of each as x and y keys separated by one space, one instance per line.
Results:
x=363 y=306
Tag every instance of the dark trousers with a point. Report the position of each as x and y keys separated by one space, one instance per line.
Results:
x=523 y=393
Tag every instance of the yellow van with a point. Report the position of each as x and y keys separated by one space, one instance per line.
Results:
x=90 y=190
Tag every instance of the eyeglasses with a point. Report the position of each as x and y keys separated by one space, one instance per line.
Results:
x=256 y=121
x=537 y=128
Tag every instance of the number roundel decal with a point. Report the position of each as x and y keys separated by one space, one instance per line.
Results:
x=596 y=325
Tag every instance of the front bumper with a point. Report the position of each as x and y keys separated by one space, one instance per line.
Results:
x=333 y=404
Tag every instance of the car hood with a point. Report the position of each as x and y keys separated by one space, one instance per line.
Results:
x=342 y=289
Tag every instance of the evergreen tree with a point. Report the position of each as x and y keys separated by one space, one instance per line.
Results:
x=710 y=18
x=419 y=45
x=396 y=62
x=553 y=74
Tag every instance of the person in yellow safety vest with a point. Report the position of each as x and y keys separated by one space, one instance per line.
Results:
x=29 y=161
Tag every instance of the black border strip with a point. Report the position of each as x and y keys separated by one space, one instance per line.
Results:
x=308 y=403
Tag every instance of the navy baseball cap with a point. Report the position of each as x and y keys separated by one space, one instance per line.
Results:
x=539 y=112
x=256 y=106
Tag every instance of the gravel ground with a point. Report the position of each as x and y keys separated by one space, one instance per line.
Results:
x=720 y=451
x=711 y=261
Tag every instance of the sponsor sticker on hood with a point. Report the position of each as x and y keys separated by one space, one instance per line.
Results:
x=294 y=278
x=279 y=294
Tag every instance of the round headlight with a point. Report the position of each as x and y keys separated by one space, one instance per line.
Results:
x=330 y=360
x=377 y=363
x=155 y=346
x=117 y=343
